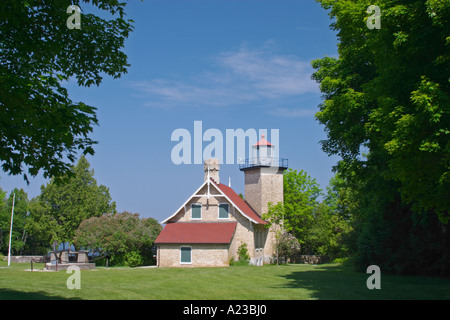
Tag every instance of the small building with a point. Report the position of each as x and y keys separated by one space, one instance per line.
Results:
x=208 y=228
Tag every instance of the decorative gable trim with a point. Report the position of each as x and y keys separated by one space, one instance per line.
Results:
x=185 y=203
x=210 y=182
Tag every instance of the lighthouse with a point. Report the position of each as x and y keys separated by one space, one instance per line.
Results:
x=263 y=176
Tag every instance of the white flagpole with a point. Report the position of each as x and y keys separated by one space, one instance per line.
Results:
x=10 y=230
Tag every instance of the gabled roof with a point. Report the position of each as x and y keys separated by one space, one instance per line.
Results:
x=188 y=199
x=241 y=204
x=199 y=232
x=231 y=196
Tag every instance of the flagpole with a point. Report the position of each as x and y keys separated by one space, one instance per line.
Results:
x=10 y=230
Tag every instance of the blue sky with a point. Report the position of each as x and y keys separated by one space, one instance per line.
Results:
x=230 y=64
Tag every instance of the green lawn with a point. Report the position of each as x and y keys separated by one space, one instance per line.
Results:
x=328 y=281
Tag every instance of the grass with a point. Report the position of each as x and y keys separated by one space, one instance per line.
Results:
x=328 y=281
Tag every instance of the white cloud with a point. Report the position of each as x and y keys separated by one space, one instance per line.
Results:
x=238 y=77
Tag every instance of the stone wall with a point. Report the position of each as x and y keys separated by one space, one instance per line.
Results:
x=25 y=259
x=309 y=259
x=262 y=185
x=203 y=255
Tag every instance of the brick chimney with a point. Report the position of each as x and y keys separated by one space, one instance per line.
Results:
x=213 y=166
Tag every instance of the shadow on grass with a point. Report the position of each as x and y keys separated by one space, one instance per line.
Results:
x=330 y=282
x=9 y=294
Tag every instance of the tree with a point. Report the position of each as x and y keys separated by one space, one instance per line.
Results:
x=126 y=238
x=4 y=221
x=388 y=93
x=330 y=233
x=300 y=198
x=287 y=245
x=19 y=235
x=341 y=197
x=64 y=203
x=40 y=126
x=295 y=216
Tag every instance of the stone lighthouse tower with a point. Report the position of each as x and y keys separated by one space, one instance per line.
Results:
x=263 y=176
x=263 y=183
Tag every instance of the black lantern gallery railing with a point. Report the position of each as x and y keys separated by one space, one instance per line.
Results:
x=263 y=162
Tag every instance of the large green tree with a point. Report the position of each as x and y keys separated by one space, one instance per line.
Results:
x=300 y=198
x=389 y=92
x=127 y=239
x=295 y=214
x=387 y=95
x=41 y=128
x=19 y=235
x=64 y=203
x=321 y=227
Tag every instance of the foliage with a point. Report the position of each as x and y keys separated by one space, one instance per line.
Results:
x=275 y=215
x=286 y=244
x=320 y=227
x=125 y=237
x=5 y=221
x=329 y=234
x=133 y=259
x=63 y=204
x=40 y=126
x=19 y=236
x=300 y=198
x=388 y=93
x=341 y=197
x=242 y=252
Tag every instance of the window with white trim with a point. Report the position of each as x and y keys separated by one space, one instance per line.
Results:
x=224 y=211
x=186 y=255
x=196 y=211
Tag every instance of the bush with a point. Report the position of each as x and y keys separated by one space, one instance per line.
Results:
x=127 y=239
x=243 y=253
x=133 y=259
x=238 y=263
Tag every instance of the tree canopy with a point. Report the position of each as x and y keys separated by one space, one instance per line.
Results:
x=63 y=204
x=40 y=126
x=125 y=237
x=19 y=236
x=388 y=92
x=386 y=111
x=320 y=227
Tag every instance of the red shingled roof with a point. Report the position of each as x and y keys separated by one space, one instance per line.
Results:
x=199 y=232
x=263 y=142
x=240 y=203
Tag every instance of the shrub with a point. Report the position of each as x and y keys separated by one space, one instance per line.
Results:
x=126 y=238
x=133 y=259
x=243 y=252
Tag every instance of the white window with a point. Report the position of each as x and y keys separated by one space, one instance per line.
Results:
x=196 y=211
x=186 y=255
x=224 y=211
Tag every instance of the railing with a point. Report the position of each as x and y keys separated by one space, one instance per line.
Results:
x=264 y=162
